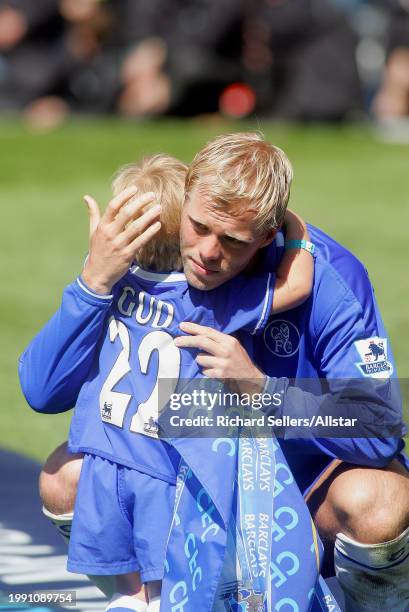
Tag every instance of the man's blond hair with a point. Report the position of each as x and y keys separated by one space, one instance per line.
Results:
x=244 y=171
x=165 y=176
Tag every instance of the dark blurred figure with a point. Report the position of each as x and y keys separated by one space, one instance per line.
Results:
x=91 y=83
x=45 y=47
x=187 y=51
x=295 y=57
x=392 y=99
x=30 y=50
x=143 y=85
x=299 y=56
x=288 y=58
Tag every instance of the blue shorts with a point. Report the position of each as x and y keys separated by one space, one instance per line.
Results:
x=121 y=522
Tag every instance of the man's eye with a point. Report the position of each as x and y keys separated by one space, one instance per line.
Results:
x=234 y=242
x=200 y=228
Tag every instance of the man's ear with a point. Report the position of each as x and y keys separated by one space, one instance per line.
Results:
x=269 y=238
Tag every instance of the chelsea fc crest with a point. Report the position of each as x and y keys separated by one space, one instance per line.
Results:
x=282 y=338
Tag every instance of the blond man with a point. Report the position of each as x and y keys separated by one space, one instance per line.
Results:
x=356 y=483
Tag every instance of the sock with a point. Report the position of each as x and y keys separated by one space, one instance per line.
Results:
x=154 y=592
x=63 y=523
x=373 y=576
x=154 y=604
x=125 y=603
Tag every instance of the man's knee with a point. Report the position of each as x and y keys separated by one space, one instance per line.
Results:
x=369 y=505
x=59 y=480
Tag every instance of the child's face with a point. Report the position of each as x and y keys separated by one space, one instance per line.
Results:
x=216 y=246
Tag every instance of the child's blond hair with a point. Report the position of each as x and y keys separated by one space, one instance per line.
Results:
x=165 y=176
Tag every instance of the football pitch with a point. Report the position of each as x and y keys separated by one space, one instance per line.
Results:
x=347 y=182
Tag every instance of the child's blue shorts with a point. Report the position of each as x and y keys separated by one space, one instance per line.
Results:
x=121 y=522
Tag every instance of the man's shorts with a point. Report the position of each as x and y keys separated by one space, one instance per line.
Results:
x=121 y=522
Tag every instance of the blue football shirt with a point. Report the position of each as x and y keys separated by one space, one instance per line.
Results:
x=116 y=412
x=335 y=339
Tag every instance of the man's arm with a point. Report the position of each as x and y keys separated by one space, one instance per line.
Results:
x=373 y=440
x=341 y=327
x=223 y=357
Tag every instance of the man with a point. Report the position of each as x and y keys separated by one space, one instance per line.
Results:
x=327 y=337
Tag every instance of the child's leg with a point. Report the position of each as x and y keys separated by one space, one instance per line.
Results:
x=58 y=488
x=154 y=591
x=135 y=600
x=101 y=536
x=63 y=524
x=126 y=603
x=130 y=596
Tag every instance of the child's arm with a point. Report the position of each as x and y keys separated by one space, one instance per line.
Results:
x=295 y=274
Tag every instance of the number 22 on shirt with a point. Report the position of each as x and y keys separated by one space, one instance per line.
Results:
x=113 y=404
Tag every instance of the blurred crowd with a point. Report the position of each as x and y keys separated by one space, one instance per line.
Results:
x=294 y=59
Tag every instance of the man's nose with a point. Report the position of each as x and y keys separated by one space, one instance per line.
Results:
x=210 y=248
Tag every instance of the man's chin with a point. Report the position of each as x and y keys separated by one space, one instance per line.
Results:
x=203 y=284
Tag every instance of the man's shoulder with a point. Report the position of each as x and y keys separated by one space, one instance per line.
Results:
x=337 y=267
x=341 y=280
x=334 y=254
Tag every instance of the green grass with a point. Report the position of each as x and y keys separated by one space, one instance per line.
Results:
x=347 y=182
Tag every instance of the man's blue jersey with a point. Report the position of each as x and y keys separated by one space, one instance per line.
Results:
x=116 y=412
x=336 y=335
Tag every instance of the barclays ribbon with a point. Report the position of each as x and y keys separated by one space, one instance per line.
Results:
x=252 y=518
x=324 y=600
x=242 y=538
x=295 y=550
x=198 y=535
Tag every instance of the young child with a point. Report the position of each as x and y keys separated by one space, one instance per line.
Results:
x=126 y=492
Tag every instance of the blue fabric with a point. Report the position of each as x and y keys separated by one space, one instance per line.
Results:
x=120 y=347
x=320 y=340
x=196 y=546
x=315 y=341
x=266 y=520
x=121 y=521
x=324 y=600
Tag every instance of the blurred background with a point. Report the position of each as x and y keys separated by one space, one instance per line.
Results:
x=309 y=60
x=88 y=85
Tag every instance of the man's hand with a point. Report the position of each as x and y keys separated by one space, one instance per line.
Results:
x=116 y=237
x=224 y=357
